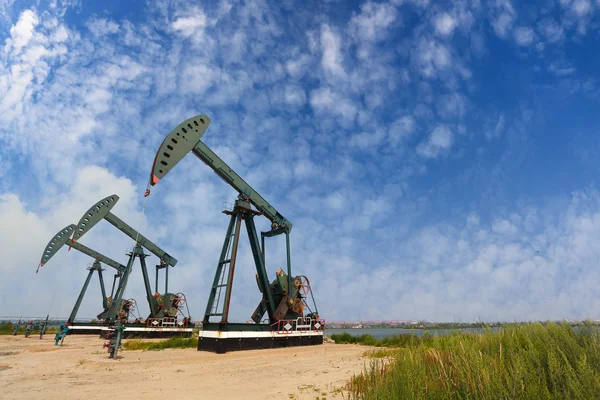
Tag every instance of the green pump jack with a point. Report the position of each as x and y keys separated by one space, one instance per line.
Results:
x=284 y=300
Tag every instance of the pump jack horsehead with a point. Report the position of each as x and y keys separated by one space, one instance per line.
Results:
x=284 y=300
x=165 y=309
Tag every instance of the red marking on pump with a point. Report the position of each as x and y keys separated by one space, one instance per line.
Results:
x=154 y=180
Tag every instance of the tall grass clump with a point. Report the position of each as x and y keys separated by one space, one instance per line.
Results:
x=172 y=343
x=522 y=361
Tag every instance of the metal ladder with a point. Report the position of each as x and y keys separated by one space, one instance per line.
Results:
x=223 y=272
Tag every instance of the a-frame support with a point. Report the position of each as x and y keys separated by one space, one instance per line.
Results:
x=138 y=251
x=224 y=273
x=149 y=296
x=111 y=315
x=95 y=267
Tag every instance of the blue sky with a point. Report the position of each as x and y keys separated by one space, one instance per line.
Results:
x=438 y=160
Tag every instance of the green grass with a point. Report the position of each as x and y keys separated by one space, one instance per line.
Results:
x=172 y=343
x=524 y=361
x=382 y=353
x=403 y=340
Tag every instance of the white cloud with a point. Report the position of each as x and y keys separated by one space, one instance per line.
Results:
x=373 y=21
x=439 y=141
x=503 y=18
x=101 y=26
x=192 y=24
x=367 y=140
x=103 y=104
x=5 y=6
x=188 y=26
x=29 y=232
x=452 y=106
x=524 y=36
x=336 y=201
x=325 y=99
x=295 y=95
x=496 y=128
x=561 y=68
x=581 y=7
x=298 y=67
x=504 y=227
x=444 y=24
x=332 y=57
x=432 y=57
x=551 y=30
x=22 y=32
x=401 y=128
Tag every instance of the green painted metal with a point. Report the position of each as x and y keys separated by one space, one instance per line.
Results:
x=102 y=288
x=282 y=298
x=149 y=294
x=101 y=210
x=141 y=239
x=64 y=237
x=278 y=223
x=111 y=314
x=226 y=266
x=56 y=243
x=233 y=259
x=212 y=306
x=80 y=297
x=289 y=262
x=166 y=278
x=177 y=144
x=44 y=327
x=117 y=275
x=97 y=256
x=260 y=266
x=114 y=344
x=186 y=137
x=94 y=215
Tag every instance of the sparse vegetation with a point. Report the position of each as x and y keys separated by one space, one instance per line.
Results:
x=522 y=361
x=172 y=343
x=6 y=328
x=403 y=340
x=382 y=353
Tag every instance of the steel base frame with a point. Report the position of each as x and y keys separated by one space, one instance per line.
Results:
x=222 y=338
x=221 y=346
x=132 y=331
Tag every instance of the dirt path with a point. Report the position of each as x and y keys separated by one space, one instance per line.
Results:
x=81 y=370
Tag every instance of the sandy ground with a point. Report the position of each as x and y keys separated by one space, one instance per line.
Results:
x=81 y=369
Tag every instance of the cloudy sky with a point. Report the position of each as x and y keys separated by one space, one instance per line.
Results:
x=438 y=161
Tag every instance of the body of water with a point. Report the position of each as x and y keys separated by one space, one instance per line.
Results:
x=381 y=333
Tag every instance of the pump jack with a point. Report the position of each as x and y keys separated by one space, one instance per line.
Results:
x=164 y=308
x=126 y=306
x=284 y=299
